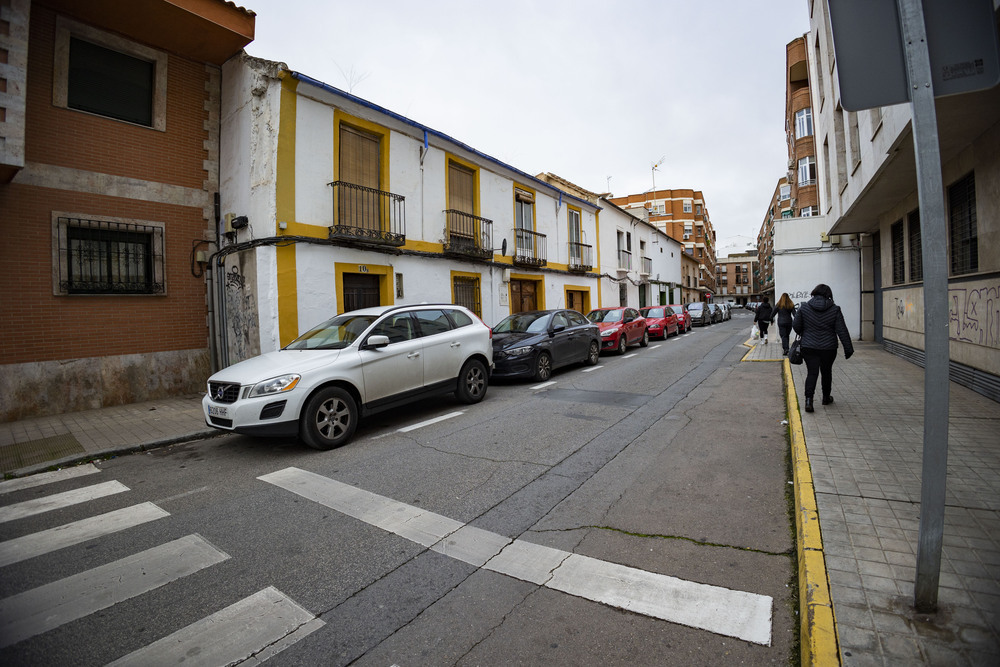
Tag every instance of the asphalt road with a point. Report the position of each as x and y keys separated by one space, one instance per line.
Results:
x=624 y=494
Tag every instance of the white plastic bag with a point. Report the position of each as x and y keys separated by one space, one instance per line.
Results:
x=755 y=332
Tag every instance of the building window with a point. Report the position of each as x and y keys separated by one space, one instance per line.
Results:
x=808 y=212
x=524 y=210
x=658 y=209
x=962 y=233
x=916 y=250
x=108 y=257
x=466 y=292
x=803 y=123
x=784 y=192
x=687 y=206
x=107 y=75
x=807 y=170
x=697 y=209
x=898 y=249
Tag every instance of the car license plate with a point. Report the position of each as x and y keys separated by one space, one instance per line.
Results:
x=218 y=411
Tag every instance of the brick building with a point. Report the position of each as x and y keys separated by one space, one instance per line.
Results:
x=109 y=173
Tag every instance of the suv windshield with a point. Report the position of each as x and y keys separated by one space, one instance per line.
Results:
x=333 y=334
x=694 y=306
x=523 y=323
x=605 y=315
x=653 y=312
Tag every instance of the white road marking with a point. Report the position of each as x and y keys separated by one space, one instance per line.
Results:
x=592 y=368
x=59 y=500
x=41 y=609
x=60 y=537
x=47 y=478
x=629 y=356
x=544 y=385
x=414 y=427
x=247 y=632
x=720 y=610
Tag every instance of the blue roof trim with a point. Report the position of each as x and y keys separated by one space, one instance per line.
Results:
x=427 y=130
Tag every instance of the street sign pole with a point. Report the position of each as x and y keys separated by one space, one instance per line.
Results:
x=936 y=353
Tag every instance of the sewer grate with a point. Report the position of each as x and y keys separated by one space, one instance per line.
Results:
x=28 y=453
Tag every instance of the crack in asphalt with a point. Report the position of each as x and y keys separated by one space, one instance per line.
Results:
x=684 y=538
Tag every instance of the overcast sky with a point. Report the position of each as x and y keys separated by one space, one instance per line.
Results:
x=584 y=89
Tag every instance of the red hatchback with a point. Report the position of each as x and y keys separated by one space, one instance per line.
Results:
x=683 y=316
x=661 y=321
x=620 y=327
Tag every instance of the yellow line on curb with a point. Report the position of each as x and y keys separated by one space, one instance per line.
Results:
x=819 y=644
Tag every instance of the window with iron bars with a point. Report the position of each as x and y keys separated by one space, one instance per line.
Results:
x=109 y=257
x=467 y=293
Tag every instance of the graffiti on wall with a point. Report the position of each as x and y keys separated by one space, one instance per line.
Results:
x=974 y=315
x=902 y=307
x=241 y=316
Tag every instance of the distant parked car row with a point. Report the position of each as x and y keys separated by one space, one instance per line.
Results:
x=704 y=314
x=319 y=386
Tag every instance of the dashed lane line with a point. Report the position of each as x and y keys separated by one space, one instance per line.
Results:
x=746 y=616
x=414 y=427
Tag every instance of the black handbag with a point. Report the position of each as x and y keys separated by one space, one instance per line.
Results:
x=795 y=351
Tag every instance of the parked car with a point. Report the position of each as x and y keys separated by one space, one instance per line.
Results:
x=533 y=344
x=351 y=366
x=683 y=316
x=661 y=321
x=726 y=311
x=701 y=314
x=620 y=327
x=716 y=311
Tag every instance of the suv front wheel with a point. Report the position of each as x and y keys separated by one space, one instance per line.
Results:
x=329 y=419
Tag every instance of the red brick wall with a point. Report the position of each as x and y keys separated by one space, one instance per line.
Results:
x=39 y=326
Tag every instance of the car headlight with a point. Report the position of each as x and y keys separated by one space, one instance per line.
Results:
x=518 y=351
x=276 y=385
x=609 y=332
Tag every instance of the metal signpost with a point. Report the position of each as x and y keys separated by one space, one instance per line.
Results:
x=887 y=57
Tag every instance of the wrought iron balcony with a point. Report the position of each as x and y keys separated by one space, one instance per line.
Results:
x=624 y=260
x=529 y=248
x=647 y=266
x=468 y=235
x=581 y=257
x=368 y=216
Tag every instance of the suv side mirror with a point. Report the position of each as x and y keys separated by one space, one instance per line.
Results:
x=375 y=342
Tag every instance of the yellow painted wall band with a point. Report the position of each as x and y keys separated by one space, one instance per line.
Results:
x=284 y=195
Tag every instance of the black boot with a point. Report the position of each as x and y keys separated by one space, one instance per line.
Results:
x=828 y=399
x=809 y=404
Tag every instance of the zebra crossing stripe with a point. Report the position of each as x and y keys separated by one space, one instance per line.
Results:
x=60 y=537
x=41 y=609
x=746 y=616
x=59 y=500
x=256 y=627
x=12 y=485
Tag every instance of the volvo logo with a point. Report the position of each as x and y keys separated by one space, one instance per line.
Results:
x=220 y=391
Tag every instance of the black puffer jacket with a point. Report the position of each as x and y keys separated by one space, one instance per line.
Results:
x=763 y=313
x=820 y=323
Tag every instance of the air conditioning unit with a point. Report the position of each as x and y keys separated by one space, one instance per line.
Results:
x=687 y=236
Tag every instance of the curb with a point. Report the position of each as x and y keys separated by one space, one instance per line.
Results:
x=110 y=452
x=819 y=643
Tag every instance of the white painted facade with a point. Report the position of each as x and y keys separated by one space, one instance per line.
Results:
x=282 y=274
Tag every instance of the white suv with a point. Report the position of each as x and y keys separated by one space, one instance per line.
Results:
x=351 y=366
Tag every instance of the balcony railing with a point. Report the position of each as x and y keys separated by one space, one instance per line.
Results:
x=624 y=260
x=647 y=266
x=366 y=215
x=529 y=248
x=468 y=235
x=581 y=257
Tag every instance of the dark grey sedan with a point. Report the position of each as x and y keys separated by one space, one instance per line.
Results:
x=535 y=343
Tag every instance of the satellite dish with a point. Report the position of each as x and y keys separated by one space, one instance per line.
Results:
x=503 y=248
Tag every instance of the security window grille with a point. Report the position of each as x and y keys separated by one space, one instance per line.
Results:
x=109 y=83
x=103 y=257
x=898 y=253
x=467 y=293
x=962 y=232
x=916 y=250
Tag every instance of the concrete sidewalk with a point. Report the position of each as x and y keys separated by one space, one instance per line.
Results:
x=861 y=464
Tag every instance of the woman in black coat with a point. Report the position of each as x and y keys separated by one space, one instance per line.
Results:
x=784 y=312
x=820 y=323
x=762 y=317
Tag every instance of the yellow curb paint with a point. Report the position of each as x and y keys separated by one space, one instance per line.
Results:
x=819 y=645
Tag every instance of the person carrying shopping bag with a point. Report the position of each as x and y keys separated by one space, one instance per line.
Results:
x=820 y=323
x=784 y=312
x=762 y=317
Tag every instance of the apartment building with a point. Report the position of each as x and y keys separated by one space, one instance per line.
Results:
x=868 y=187
x=780 y=206
x=682 y=215
x=109 y=172
x=736 y=280
x=335 y=203
x=802 y=196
